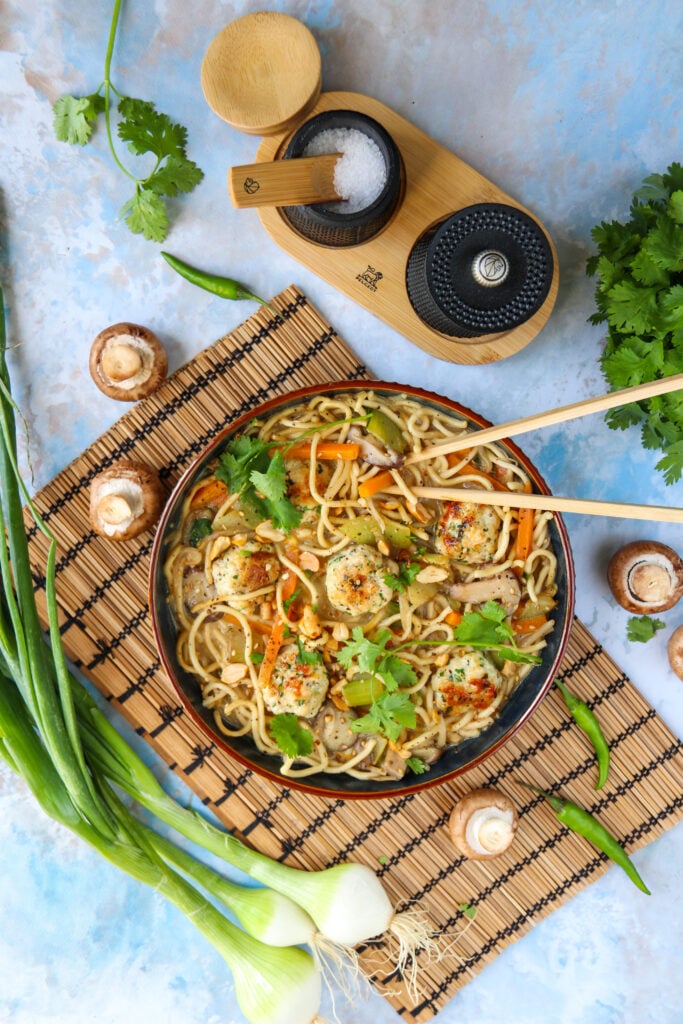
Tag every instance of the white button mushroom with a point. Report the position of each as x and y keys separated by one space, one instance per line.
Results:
x=127 y=362
x=125 y=499
x=483 y=824
x=675 y=651
x=646 y=577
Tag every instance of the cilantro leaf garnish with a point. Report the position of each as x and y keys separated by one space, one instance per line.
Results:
x=372 y=657
x=487 y=630
x=147 y=131
x=200 y=529
x=416 y=765
x=306 y=657
x=292 y=739
x=639 y=295
x=388 y=716
x=643 y=628
x=406 y=574
x=247 y=468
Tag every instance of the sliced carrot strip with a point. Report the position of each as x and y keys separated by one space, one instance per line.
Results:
x=453 y=458
x=273 y=646
x=375 y=484
x=326 y=450
x=453 y=618
x=525 y=534
x=529 y=625
x=213 y=492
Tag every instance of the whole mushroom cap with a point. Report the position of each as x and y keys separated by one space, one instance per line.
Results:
x=483 y=824
x=127 y=362
x=126 y=499
x=646 y=577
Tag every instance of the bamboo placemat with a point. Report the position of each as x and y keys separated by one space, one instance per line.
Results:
x=106 y=629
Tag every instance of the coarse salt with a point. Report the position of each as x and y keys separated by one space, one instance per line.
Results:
x=360 y=174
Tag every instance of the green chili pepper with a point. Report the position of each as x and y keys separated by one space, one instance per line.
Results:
x=584 y=824
x=588 y=723
x=225 y=287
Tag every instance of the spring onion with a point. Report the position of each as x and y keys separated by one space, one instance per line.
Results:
x=41 y=732
x=54 y=735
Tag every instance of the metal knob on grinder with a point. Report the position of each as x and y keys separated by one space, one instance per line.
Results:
x=484 y=270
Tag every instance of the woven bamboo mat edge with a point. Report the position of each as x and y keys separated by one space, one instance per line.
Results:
x=105 y=625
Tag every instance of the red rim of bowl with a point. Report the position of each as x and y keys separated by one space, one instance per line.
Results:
x=419 y=784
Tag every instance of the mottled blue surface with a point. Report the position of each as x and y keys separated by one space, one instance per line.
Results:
x=565 y=106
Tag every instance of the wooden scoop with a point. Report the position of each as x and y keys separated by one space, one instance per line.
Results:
x=300 y=181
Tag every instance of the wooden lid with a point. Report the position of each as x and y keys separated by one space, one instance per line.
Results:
x=262 y=72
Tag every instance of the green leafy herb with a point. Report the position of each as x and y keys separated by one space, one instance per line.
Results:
x=147 y=132
x=406 y=574
x=468 y=910
x=247 y=468
x=642 y=629
x=382 y=859
x=416 y=765
x=202 y=527
x=287 y=604
x=256 y=657
x=388 y=716
x=371 y=656
x=292 y=739
x=305 y=657
x=639 y=294
x=487 y=630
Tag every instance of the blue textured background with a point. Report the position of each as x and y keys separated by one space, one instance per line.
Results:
x=566 y=106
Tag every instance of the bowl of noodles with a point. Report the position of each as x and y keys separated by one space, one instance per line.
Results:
x=332 y=618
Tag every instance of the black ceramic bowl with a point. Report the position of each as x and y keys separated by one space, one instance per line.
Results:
x=521 y=704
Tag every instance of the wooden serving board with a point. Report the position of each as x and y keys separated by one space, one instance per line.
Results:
x=437 y=184
x=102 y=590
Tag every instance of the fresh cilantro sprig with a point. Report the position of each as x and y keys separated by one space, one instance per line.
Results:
x=643 y=628
x=292 y=739
x=147 y=132
x=488 y=630
x=247 y=468
x=391 y=712
x=306 y=657
x=406 y=574
x=639 y=295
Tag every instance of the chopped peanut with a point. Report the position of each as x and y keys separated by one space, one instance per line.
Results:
x=432 y=574
x=340 y=631
x=307 y=560
x=267 y=532
x=234 y=672
x=309 y=624
x=382 y=546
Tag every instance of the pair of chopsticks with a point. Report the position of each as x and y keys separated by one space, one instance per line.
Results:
x=550 y=503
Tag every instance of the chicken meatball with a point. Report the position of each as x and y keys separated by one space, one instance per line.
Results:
x=355 y=582
x=295 y=687
x=241 y=570
x=469 y=680
x=298 y=481
x=468 y=532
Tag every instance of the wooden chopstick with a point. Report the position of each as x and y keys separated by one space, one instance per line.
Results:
x=564 y=413
x=547 y=503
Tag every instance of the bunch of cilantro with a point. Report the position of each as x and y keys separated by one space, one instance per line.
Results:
x=147 y=132
x=639 y=294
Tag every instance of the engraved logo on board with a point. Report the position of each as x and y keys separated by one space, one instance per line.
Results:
x=370 y=278
x=250 y=186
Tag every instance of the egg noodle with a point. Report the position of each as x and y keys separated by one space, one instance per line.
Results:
x=280 y=624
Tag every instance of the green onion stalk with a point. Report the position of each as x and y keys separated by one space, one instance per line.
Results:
x=332 y=910
x=41 y=732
